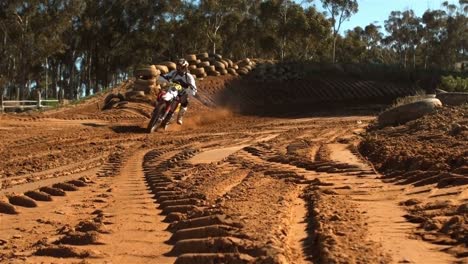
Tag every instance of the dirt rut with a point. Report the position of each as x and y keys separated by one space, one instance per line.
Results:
x=137 y=233
x=251 y=190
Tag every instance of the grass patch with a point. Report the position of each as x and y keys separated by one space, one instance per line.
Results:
x=419 y=95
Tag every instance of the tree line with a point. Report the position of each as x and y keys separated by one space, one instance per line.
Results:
x=70 y=48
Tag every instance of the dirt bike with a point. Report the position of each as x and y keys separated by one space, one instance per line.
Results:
x=164 y=110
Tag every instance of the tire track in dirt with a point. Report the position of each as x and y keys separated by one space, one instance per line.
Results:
x=273 y=198
x=387 y=224
x=56 y=182
x=200 y=234
x=354 y=179
x=295 y=242
x=292 y=198
x=72 y=217
x=39 y=228
x=138 y=231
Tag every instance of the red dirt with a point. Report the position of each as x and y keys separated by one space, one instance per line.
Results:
x=227 y=188
x=430 y=154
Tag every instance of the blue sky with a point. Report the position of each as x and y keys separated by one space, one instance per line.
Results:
x=371 y=11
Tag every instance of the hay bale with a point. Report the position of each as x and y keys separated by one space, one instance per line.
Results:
x=162 y=68
x=191 y=57
x=407 y=112
x=170 y=65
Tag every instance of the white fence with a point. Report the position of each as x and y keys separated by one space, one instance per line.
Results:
x=25 y=104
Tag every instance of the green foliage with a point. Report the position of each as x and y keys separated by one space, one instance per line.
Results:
x=454 y=84
x=68 y=46
x=340 y=11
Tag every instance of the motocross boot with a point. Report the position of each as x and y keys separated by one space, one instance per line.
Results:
x=180 y=116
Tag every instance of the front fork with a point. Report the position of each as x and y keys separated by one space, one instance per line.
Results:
x=168 y=113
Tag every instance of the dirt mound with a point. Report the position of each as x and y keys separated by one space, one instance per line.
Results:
x=422 y=144
x=430 y=154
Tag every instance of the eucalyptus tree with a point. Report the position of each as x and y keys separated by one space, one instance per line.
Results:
x=434 y=31
x=19 y=33
x=32 y=32
x=405 y=32
x=340 y=11
x=372 y=37
x=7 y=47
x=287 y=27
x=317 y=35
x=215 y=13
x=352 y=46
x=456 y=39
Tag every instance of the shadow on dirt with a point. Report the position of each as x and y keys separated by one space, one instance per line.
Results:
x=93 y=125
x=129 y=129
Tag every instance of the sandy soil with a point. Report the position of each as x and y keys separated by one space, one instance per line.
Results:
x=80 y=185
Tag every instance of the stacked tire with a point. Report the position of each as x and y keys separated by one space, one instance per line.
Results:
x=146 y=79
x=204 y=64
x=195 y=66
x=245 y=66
x=269 y=70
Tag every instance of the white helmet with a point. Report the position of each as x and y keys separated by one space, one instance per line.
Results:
x=182 y=63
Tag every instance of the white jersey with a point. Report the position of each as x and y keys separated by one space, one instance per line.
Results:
x=185 y=77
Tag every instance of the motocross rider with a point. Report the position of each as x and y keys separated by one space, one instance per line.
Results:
x=186 y=80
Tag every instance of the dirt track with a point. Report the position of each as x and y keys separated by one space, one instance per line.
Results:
x=224 y=189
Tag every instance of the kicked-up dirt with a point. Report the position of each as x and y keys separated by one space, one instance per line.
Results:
x=81 y=185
